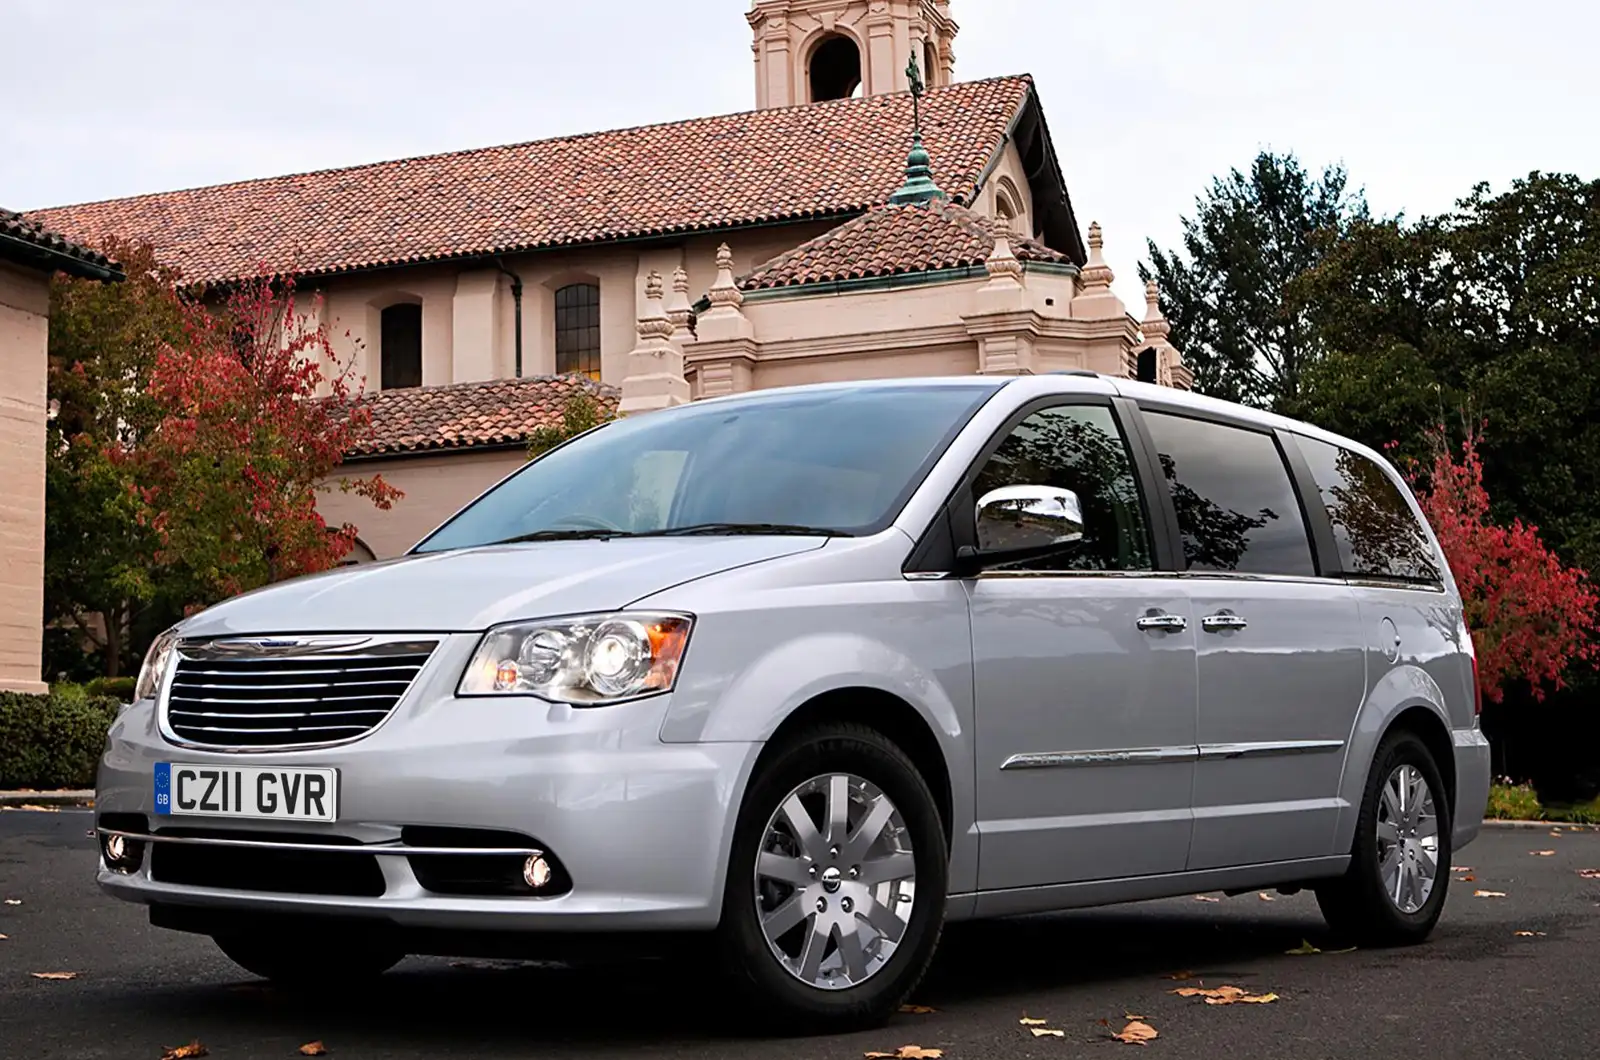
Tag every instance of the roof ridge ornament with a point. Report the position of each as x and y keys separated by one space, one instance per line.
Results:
x=919 y=186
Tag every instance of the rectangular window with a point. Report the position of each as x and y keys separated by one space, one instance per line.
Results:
x=1377 y=532
x=578 y=330
x=1078 y=448
x=1236 y=504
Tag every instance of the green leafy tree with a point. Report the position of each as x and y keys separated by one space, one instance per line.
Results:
x=104 y=341
x=582 y=412
x=1224 y=291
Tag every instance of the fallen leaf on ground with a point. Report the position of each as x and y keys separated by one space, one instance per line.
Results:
x=1047 y=1032
x=1460 y=868
x=1180 y=975
x=1589 y=874
x=1206 y=898
x=1305 y=949
x=185 y=1052
x=1029 y=1021
x=313 y=1049
x=1488 y=894
x=1529 y=934
x=1542 y=853
x=1131 y=1016
x=55 y=975
x=39 y=809
x=908 y=1052
x=1136 y=1032
x=917 y=1010
x=1556 y=832
x=1335 y=953
x=4 y=937
x=1265 y=897
x=1226 y=995
x=1469 y=878
x=13 y=901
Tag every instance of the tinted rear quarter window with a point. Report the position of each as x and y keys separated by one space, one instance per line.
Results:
x=1236 y=505
x=1373 y=524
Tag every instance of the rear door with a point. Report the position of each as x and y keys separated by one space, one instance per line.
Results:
x=1279 y=646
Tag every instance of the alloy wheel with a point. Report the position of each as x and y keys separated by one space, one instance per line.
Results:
x=835 y=881
x=1408 y=839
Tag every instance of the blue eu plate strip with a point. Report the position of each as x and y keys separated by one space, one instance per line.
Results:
x=164 y=787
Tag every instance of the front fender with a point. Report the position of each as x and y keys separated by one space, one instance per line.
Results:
x=1402 y=688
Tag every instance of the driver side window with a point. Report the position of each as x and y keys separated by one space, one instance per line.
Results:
x=1079 y=448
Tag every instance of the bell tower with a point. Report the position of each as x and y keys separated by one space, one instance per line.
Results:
x=809 y=51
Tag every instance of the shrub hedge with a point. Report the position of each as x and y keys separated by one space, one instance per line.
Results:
x=54 y=740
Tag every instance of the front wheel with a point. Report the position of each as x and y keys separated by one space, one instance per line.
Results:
x=835 y=896
x=1394 y=890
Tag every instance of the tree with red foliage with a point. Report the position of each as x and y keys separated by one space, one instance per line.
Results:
x=257 y=414
x=1530 y=616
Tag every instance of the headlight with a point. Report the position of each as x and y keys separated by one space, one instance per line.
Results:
x=155 y=665
x=586 y=661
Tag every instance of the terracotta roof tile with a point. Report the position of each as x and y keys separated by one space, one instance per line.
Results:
x=471 y=415
x=892 y=240
x=785 y=164
x=26 y=240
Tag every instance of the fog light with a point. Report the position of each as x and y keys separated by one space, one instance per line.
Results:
x=536 y=872
x=121 y=853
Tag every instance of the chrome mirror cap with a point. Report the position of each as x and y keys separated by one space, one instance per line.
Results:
x=1028 y=518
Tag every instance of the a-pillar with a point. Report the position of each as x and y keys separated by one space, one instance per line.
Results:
x=655 y=367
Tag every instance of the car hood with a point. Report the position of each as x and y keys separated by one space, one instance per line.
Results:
x=472 y=589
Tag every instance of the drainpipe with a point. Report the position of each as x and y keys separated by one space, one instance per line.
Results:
x=516 y=299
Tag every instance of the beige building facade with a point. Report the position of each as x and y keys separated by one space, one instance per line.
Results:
x=812 y=238
x=29 y=256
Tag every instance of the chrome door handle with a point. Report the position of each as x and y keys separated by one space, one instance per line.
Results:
x=1221 y=622
x=1163 y=623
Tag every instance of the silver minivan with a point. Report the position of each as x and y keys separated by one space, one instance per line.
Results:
x=806 y=673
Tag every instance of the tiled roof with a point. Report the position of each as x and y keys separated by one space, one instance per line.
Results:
x=470 y=415
x=786 y=164
x=30 y=243
x=891 y=240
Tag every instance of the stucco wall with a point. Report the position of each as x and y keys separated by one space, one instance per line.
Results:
x=469 y=316
x=24 y=340
x=435 y=488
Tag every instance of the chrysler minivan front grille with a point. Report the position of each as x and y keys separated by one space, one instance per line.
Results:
x=275 y=693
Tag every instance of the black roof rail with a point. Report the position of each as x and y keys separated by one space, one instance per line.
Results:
x=1075 y=371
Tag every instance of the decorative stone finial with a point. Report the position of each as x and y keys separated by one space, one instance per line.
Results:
x=1002 y=263
x=1097 y=274
x=654 y=323
x=725 y=289
x=1155 y=324
x=679 y=311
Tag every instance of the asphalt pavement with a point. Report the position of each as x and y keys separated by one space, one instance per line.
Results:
x=1477 y=989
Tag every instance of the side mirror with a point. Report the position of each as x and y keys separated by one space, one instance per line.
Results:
x=1020 y=522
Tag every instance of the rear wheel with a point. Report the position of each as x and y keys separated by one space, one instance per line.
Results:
x=297 y=962
x=836 y=886
x=1394 y=890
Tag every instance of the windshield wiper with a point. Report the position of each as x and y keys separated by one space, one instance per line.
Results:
x=565 y=535
x=775 y=529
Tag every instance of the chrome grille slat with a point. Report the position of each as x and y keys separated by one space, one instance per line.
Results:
x=293 y=692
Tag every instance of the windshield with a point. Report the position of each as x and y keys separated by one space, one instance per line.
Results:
x=832 y=461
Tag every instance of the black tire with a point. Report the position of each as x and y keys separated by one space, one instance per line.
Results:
x=306 y=962
x=778 y=999
x=1356 y=905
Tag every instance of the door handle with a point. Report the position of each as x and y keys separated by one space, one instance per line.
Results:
x=1163 y=623
x=1221 y=622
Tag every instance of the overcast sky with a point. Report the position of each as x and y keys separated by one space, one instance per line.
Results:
x=1146 y=99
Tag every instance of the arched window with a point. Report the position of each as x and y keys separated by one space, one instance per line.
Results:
x=578 y=330
x=835 y=69
x=400 y=346
x=1008 y=208
x=930 y=64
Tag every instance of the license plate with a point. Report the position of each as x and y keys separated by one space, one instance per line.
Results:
x=269 y=792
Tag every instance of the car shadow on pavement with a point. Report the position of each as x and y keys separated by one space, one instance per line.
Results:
x=507 y=1004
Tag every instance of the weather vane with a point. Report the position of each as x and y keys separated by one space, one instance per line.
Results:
x=914 y=76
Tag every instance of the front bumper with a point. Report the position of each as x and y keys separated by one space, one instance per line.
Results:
x=641 y=826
